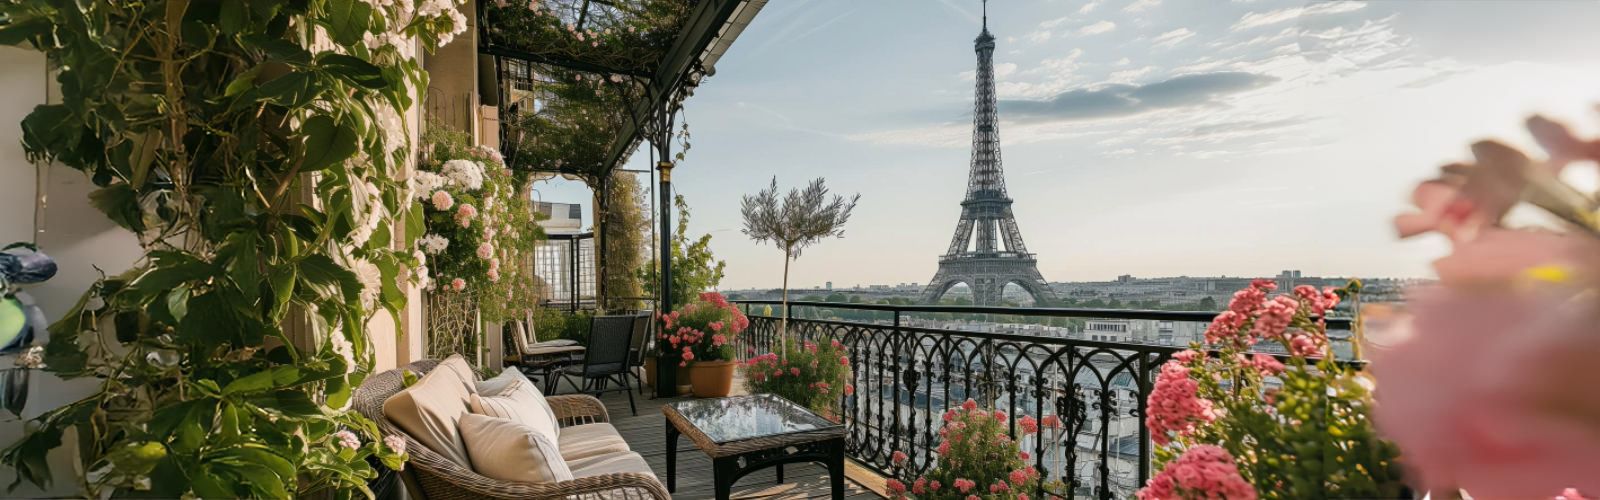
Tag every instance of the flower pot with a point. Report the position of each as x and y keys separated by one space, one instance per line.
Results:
x=712 y=379
x=685 y=386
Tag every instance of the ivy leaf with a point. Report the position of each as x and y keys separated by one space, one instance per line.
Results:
x=347 y=20
x=327 y=143
x=121 y=203
x=352 y=68
x=321 y=272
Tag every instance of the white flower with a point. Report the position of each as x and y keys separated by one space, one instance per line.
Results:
x=493 y=154
x=32 y=357
x=465 y=173
x=366 y=209
x=371 y=282
x=344 y=349
x=433 y=244
x=424 y=183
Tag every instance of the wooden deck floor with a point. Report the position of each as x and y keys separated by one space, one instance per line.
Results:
x=646 y=434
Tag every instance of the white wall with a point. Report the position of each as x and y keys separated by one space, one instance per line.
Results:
x=72 y=232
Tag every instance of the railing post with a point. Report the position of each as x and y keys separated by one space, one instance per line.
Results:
x=572 y=286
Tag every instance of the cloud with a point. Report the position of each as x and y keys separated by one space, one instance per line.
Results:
x=1055 y=22
x=1039 y=36
x=1141 y=5
x=1259 y=19
x=1116 y=100
x=1102 y=26
x=1172 y=38
x=1131 y=75
x=1089 y=6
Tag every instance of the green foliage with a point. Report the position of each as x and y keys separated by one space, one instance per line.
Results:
x=260 y=170
x=812 y=375
x=626 y=222
x=632 y=36
x=694 y=268
x=550 y=324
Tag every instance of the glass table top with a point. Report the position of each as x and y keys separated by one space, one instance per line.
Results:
x=738 y=418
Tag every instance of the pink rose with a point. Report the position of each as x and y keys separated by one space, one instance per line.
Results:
x=485 y=251
x=442 y=200
x=458 y=284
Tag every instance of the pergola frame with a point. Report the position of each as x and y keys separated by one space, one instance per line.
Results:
x=707 y=30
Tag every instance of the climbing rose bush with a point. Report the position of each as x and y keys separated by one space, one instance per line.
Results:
x=1232 y=422
x=813 y=375
x=977 y=459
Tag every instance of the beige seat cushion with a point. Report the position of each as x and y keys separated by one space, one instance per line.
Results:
x=521 y=402
x=430 y=410
x=587 y=440
x=500 y=383
x=610 y=463
x=510 y=451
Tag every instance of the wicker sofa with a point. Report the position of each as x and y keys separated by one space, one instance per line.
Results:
x=429 y=475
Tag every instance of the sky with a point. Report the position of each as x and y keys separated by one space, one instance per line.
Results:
x=1145 y=137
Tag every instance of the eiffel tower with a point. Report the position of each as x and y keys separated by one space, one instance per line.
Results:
x=982 y=263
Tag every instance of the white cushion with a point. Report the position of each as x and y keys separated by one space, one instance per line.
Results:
x=463 y=371
x=587 y=440
x=521 y=402
x=509 y=451
x=610 y=463
x=500 y=383
x=430 y=410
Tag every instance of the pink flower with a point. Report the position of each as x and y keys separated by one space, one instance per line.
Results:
x=1028 y=424
x=395 y=443
x=844 y=360
x=897 y=458
x=1001 y=416
x=485 y=250
x=1571 y=494
x=1204 y=471
x=896 y=487
x=934 y=485
x=687 y=354
x=1467 y=198
x=442 y=200
x=1174 y=403
x=718 y=340
x=458 y=284
x=347 y=439
x=963 y=484
x=1266 y=364
x=849 y=390
x=920 y=486
x=1020 y=476
x=794 y=371
x=1274 y=317
x=970 y=405
x=494 y=275
x=1513 y=425
x=465 y=213
x=998 y=487
x=1050 y=421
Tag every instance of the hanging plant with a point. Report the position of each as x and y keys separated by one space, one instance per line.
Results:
x=628 y=36
x=256 y=150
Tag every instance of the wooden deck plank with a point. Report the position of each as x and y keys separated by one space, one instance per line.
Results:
x=646 y=434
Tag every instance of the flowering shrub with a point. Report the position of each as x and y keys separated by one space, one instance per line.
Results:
x=1293 y=429
x=1476 y=376
x=478 y=225
x=814 y=376
x=703 y=330
x=977 y=458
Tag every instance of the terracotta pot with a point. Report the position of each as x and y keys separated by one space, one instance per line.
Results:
x=712 y=379
x=685 y=385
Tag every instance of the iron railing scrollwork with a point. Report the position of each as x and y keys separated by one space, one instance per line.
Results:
x=1090 y=394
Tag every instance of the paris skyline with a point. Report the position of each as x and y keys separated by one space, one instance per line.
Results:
x=1153 y=138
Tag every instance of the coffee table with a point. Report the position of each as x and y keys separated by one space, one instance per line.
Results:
x=743 y=434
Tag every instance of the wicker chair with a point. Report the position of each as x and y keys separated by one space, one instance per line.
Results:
x=430 y=476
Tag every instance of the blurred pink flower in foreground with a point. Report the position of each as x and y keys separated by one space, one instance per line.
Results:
x=1484 y=380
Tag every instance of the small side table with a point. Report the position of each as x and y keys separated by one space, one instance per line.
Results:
x=743 y=434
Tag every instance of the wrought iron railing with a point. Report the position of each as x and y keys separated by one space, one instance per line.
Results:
x=911 y=363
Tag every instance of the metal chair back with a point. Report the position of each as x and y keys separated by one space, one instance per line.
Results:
x=610 y=338
x=643 y=331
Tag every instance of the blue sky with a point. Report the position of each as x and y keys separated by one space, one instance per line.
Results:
x=1144 y=137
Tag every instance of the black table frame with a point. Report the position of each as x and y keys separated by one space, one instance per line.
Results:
x=829 y=452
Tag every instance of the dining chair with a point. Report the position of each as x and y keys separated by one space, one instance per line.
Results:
x=605 y=358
